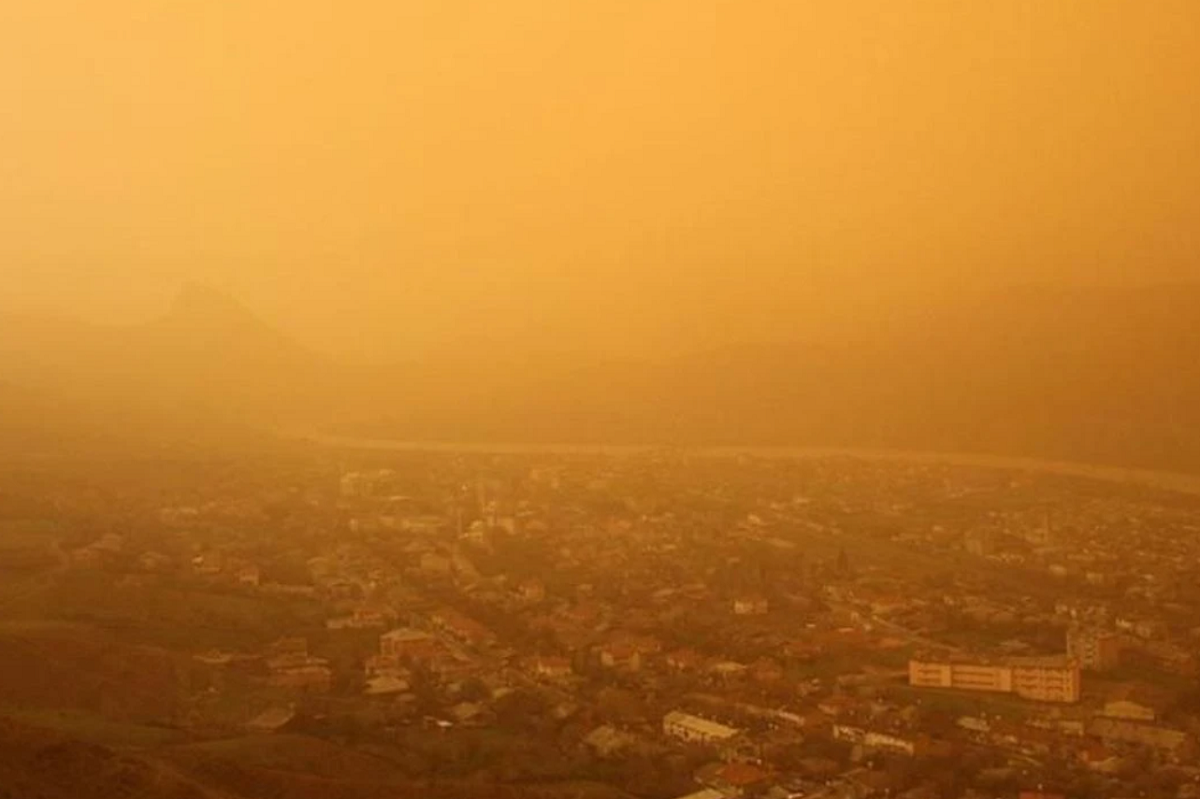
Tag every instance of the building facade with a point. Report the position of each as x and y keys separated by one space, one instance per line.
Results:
x=1041 y=679
x=695 y=729
x=1053 y=679
x=966 y=676
x=750 y=606
x=404 y=642
x=1129 y=711
x=1096 y=650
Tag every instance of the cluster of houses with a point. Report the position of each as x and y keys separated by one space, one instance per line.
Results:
x=758 y=608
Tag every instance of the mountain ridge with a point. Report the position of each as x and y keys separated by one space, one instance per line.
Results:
x=1098 y=375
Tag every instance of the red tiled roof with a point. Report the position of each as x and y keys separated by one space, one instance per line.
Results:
x=741 y=774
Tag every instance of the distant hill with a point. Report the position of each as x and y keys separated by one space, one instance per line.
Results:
x=212 y=350
x=1104 y=376
x=207 y=371
x=1107 y=376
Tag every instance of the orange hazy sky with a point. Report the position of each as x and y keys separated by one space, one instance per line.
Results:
x=386 y=176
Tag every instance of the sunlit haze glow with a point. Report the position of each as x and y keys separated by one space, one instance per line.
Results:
x=391 y=179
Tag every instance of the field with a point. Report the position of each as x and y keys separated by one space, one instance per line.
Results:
x=95 y=729
x=55 y=666
x=188 y=618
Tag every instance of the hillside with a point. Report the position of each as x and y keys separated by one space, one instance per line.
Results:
x=59 y=666
x=37 y=763
x=207 y=373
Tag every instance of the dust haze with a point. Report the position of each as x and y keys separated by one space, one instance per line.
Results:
x=628 y=399
x=401 y=180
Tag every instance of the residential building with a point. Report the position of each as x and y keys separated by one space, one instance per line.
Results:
x=1047 y=679
x=626 y=652
x=362 y=618
x=1100 y=758
x=1096 y=650
x=875 y=740
x=691 y=728
x=463 y=629
x=300 y=672
x=750 y=606
x=551 y=667
x=1054 y=679
x=249 y=575
x=608 y=741
x=734 y=779
x=386 y=685
x=684 y=660
x=288 y=646
x=967 y=676
x=1175 y=744
x=1129 y=711
x=532 y=591
x=404 y=642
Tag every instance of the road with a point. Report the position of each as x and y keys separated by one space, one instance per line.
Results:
x=1174 y=481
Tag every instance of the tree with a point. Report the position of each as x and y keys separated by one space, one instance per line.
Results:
x=474 y=690
x=521 y=709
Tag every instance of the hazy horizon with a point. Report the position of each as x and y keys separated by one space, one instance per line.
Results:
x=386 y=180
x=460 y=343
